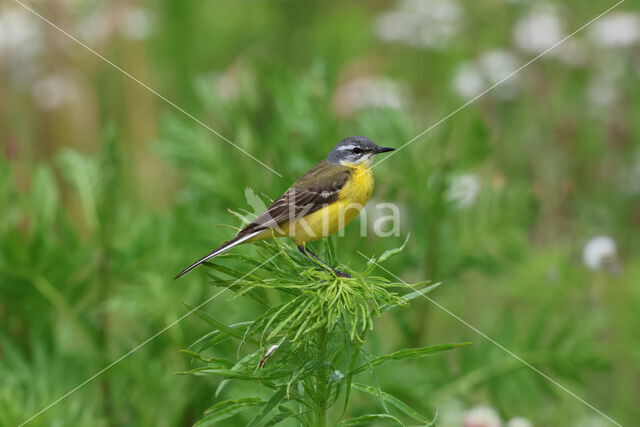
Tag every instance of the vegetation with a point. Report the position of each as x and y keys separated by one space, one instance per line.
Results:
x=307 y=346
x=107 y=191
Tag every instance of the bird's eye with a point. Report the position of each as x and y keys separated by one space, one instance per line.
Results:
x=357 y=150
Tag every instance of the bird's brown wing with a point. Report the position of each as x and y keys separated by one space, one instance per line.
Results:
x=316 y=188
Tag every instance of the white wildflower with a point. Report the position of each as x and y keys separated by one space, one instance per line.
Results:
x=498 y=64
x=336 y=376
x=469 y=81
x=95 y=27
x=420 y=23
x=482 y=416
x=130 y=22
x=616 y=30
x=491 y=68
x=542 y=30
x=519 y=422
x=539 y=30
x=20 y=40
x=136 y=22
x=364 y=92
x=55 y=90
x=464 y=190
x=600 y=252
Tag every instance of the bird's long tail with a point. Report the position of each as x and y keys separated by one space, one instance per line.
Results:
x=231 y=243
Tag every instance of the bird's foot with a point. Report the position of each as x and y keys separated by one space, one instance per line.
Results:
x=341 y=273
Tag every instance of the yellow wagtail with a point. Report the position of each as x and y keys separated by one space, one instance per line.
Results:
x=321 y=202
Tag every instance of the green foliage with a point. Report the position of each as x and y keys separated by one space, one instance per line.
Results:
x=107 y=191
x=307 y=344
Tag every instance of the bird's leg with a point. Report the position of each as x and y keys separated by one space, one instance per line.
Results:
x=308 y=253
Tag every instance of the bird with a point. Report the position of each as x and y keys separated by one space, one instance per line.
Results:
x=321 y=202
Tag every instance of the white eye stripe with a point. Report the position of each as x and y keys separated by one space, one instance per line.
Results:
x=346 y=147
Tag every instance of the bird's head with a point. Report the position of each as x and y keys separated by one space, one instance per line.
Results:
x=355 y=150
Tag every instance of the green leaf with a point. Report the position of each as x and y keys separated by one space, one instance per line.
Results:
x=409 y=353
x=275 y=400
x=284 y=414
x=219 y=325
x=413 y=295
x=240 y=364
x=228 y=408
x=368 y=419
x=232 y=272
x=212 y=361
x=391 y=252
x=83 y=174
x=400 y=405
x=44 y=197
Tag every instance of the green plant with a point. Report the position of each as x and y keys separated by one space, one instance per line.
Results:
x=307 y=345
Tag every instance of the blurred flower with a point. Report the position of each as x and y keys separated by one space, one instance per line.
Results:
x=519 y=422
x=464 y=190
x=472 y=78
x=20 y=38
x=137 y=23
x=617 y=29
x=130 y=22
x=539 y=30
x=336 y=376
x=420 y=23
x=365 y=92
x=543 y=28
x=601 y=252
x=469 y=81
x=482 y=416
x=497 y=64
x=54 y=90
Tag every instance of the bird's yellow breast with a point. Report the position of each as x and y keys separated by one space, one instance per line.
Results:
x=359 y=187
x=335 y=216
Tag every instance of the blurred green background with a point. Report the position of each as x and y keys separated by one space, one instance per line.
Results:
x=525 y=204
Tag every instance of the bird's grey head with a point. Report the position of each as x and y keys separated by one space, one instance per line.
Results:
x=355 y=150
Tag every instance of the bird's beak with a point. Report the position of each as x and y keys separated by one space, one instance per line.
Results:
x=384 y=150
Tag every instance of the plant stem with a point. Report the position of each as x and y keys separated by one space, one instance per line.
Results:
x=322 y=388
